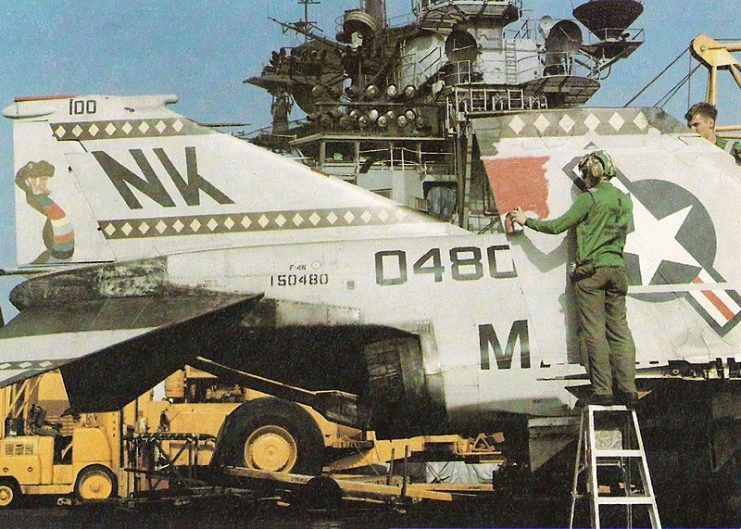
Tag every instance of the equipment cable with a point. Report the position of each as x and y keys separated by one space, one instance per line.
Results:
x=655 y=79
x=673 y=91
x=689 y=83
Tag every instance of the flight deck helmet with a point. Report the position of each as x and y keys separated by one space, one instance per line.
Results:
x=597 y=165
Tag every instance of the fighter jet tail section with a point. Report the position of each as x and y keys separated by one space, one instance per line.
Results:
x=684 y=298
x=104 y=178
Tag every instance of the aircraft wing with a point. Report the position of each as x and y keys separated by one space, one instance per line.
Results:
x=110 y=347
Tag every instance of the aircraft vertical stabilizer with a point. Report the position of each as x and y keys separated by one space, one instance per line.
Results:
x=102 y=178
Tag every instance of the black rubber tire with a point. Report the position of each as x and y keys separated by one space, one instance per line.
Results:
x=91 y=470
x=10 y=493
x=288 y=416
x=321 y=492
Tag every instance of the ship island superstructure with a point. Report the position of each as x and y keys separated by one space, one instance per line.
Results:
x=390 y=107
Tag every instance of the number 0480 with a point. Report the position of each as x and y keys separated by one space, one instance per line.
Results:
x=466 y=264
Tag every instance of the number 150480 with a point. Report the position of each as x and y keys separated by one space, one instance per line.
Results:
x=292 y=280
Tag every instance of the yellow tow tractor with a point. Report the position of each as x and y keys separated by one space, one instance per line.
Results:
x=78 y=455
x=150 y=445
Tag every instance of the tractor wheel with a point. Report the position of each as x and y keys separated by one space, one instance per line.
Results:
x=277 y=436
x=10 y=494
x=96 y=482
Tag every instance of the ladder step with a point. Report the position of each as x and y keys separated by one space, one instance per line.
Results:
x=618 y=453
x=625 y=500
x=594 y=451
x=609 y=407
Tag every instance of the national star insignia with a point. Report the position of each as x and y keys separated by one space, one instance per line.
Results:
x=654 y=240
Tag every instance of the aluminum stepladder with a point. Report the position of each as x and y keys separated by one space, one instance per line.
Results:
x=609 y=437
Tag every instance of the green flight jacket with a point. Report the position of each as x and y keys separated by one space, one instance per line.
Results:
x=602 y=217
x=732 y=147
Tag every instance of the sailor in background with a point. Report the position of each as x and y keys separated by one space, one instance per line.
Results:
x=701 y=118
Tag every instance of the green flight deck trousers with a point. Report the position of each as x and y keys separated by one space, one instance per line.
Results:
x=604 y=328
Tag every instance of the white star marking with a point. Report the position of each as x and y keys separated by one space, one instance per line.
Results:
x=654 y=240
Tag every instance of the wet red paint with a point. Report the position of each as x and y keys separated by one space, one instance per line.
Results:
x=519 y=182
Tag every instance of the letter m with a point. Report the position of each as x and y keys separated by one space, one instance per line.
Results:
x=488 y=340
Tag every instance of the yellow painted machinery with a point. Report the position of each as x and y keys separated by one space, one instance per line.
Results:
x=717 y=56
x=79 y=455
x=152 y=444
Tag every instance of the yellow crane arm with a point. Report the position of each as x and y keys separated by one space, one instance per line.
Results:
x=717 y=55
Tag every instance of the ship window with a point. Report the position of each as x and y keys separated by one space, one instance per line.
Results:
x=461 y=46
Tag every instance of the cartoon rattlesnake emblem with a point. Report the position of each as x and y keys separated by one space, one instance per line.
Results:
x=58 y=234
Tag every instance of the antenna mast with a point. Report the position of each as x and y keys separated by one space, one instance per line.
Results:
x=306 y=23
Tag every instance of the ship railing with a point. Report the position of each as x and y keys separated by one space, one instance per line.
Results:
x=462 y=73
x=560 y=63
x=426 y=159
x=617 y=35
x=529 y=30
x=465 y=101
x=575 y=63
x=398 y=157
x=402 y=20
x=423 y=5
x=421 y=76
x=516 y=64
x=408 y=19
x=525 y=31
x=268 y=130
x=397 y=21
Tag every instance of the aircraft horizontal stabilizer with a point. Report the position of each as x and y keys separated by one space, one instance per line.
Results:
x=114 y=331
x=145 y=360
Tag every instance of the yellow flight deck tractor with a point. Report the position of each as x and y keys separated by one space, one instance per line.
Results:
x=275 y=435
x=196 y=401
x=38 y=456
x=155 y=444
x=96 y=456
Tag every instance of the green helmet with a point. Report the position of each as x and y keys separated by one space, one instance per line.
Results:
x=608 y=166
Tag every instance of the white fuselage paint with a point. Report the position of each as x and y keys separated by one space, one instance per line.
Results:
x=446 y=313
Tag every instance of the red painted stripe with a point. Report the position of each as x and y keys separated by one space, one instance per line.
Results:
x=727 y=313
x=55 y=212
x=67 y=237
x=23 y=99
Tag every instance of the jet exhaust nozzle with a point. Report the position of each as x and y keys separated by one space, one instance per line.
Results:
x=399 y=395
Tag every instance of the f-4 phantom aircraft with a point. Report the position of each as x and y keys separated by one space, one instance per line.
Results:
x=164 y=241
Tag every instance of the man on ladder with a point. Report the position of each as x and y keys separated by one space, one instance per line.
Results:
x=601 y=215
